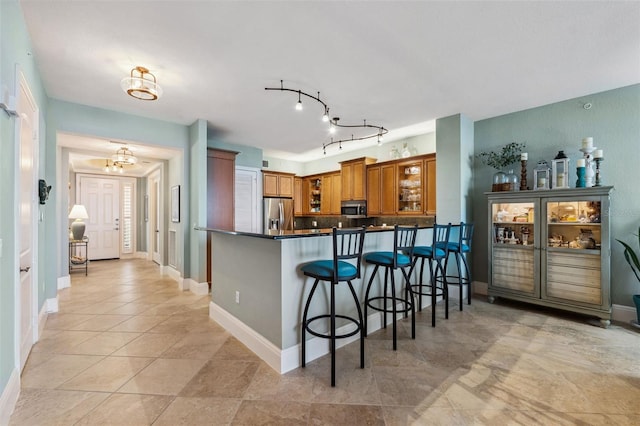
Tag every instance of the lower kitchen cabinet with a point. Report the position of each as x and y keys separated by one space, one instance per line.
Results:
x=552 y=248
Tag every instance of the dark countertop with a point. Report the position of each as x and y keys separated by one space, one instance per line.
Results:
x=296 y=233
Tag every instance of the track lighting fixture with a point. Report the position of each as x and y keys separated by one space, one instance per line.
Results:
x=299 y=104
x=333 y=123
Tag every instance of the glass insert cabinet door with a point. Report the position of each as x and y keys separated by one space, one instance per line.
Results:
x=513 y=237
x=410 y=187
x=573 y=249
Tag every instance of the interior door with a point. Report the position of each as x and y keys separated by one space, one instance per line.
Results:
x=247 y=206
x=27 y=238
x=101 y=197
x=154 y=217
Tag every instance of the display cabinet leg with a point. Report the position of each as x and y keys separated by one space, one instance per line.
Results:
x=605 y=323
x=491 y=299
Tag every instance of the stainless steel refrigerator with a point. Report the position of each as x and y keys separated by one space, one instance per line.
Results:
x=278 y=214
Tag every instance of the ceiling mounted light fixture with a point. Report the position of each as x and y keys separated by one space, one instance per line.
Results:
x=141 y=84
x=333 y=123
x=123 y=157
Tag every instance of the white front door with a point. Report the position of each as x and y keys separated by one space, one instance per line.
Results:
x=154 y=216
x=27 y=233
x=101 y=197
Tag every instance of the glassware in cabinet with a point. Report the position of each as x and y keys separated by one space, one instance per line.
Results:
x=410 y=187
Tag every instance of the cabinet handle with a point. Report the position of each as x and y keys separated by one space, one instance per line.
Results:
x=25 y=269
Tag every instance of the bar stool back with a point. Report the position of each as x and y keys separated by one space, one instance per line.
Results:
x=435 y=254
x=344 y=267
x=460 y=250
x=404 y=240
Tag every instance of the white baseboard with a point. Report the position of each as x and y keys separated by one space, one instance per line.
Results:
x=64 y=282
x=623 y=313
x=284 y=360
x=196 y=287
x=42 y=319
x=9 y=397
x=175 y=275
x=266 y=350
x=141 y=255
x=51 y=305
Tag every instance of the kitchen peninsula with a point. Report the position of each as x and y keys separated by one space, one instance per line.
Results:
x=258 y=290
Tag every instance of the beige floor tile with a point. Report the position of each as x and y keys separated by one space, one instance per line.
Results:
x=270 y=385
x=121 y=409
x=502 y=363
x=163 y=377
x=60 y=342
x=139 y=323
x=221 y=378
x=43 y=407
x=199 y=411
x=148 y=345
x=198 y=345
x=104 y=343
x=57 y=370
x=100 y=322
x=58 y=321
x=253 y=413
x=107 y=375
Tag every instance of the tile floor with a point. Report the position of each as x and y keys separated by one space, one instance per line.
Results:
x=128 y=348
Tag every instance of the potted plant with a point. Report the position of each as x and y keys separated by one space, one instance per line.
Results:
x=633 y=259
x=509 y=154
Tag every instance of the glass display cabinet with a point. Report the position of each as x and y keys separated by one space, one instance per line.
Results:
x=410 y=187
x=552 y=248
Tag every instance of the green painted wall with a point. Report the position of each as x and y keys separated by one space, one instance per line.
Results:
x=614 y=123
x=248 y=156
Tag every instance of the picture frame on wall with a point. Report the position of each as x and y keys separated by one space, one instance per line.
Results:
x=175 y=204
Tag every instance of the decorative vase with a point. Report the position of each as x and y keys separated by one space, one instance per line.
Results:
x=513 y=181
x=636 y=301
x=499 y=179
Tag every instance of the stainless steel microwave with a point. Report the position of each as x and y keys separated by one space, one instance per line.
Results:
x=354 y=209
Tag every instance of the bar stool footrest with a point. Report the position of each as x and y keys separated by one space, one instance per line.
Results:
x=307 y=326
x=407 y=306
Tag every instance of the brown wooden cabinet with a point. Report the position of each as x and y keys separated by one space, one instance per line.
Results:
x=297 y=196
x=402 y=187
x=354 y=178
x=277 y=184
x=331 y=193
x=220 y=194
x=430 y=185
x=373 y=191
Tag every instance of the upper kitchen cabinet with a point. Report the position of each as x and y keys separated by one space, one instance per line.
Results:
x=277 y=184
x=410 y=187
x=354 y=178
x=429 y=170
x=298 y=205
x=381 y=193
x=331 y=190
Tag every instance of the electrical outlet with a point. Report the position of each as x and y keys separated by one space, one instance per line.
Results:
x=238 y=297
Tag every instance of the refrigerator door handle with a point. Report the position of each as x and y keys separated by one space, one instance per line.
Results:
x=281 y=211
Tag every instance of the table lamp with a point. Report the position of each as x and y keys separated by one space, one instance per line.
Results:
x=78 y=212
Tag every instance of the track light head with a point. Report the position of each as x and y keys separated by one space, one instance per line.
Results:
x=299 y=104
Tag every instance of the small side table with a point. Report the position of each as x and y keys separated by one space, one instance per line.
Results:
x=79 y=255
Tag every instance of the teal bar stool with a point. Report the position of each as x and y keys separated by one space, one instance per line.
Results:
x=436 y=253
x=460 y=250
x=344 y=267
x=404 y=240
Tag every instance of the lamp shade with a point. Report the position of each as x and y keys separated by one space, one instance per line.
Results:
x=78 y=212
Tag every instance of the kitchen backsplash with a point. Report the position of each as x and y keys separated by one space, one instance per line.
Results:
x=310 y=222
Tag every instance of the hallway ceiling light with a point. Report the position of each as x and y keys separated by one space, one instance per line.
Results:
x=333 y=123
x=141 y=84
x=123 y=157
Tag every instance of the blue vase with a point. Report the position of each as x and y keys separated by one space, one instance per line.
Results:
x=581 y=182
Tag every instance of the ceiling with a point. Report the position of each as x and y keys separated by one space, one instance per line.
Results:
x=396 y=64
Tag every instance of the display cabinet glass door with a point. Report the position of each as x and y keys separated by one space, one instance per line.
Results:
x=410 y=187
x=573 y=250
x=315 y=195
x=512 y=244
